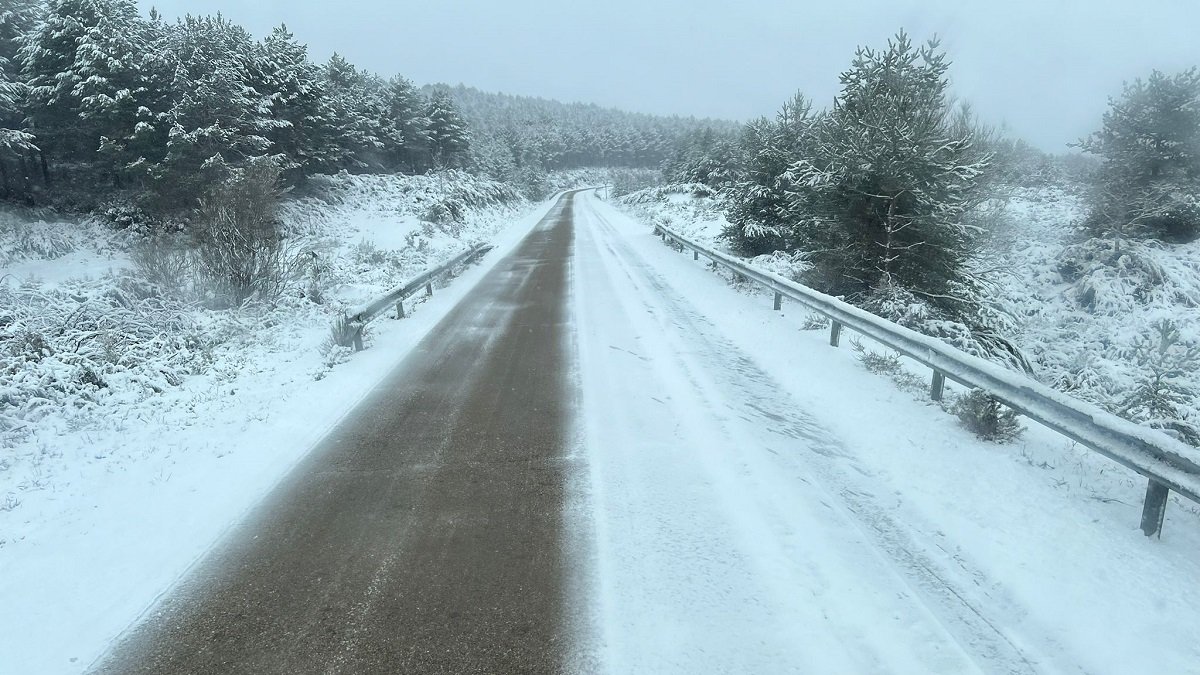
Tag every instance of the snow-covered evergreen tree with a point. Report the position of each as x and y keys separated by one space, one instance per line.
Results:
x=358 y=109
x=82 y=65
x=1149 y=182
x=216 y=118
x=408 y=126
x=893 y=170
x=301 y=133
x=1163 y=398
x=17 y=19
x=756 y=214
x=702 y=156
x=552 y=135
x=448 y=136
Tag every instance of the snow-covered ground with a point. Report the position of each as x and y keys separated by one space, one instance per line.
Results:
x=757 y=501
x=762 y=503
x=113 y=484
x=1080 y=304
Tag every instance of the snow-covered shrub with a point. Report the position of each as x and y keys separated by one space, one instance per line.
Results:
x=343 y=333
x=888 y=364
x=443 y=212
x=986 y=417
x=337 y=347
x=63 y=351
x=122 y=215
x=667 y=193
x=239 y=246
x=879 y=363
x=367 y=253
x=164 y=262
x=21 y=239
x=1163 y=398
x=814 y=321
x=790 y=265
x=751 y=238
x=980 y=332
x=1106 y=274
x=314 y=288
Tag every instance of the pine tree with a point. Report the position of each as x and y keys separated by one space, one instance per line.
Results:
x=17 y=145
x=216 y=118
x=146 y=147
x=358 y=110
x=448 y=136
x=893 y=170
x=1162 y=398
x=756 y=212
x=408 y=127
x=1149 y=182
x=301 y=132
x=82 y=68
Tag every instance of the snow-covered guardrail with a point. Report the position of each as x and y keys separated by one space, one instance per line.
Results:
x=1167 y=463
x=358 y=317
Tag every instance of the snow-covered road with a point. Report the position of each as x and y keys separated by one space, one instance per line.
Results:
x=741 y=518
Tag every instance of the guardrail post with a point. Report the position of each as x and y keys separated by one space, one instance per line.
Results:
x=937 y=386
x=399 y=309
x=357 y=336
x=835 y=333
x=695 y=255
x=1154 y=511
x=429 y=288
x=778 y=301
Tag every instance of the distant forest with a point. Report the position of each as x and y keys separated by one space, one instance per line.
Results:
x=99 y=103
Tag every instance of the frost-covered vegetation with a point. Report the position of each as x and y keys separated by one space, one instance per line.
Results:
x=1083 y=271
x=85 y=358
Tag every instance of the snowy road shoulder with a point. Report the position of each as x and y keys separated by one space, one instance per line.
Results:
x=758 y=493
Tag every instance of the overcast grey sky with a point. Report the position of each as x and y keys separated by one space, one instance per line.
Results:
x=1044 y=68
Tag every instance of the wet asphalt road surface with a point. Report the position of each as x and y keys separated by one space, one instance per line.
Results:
x=425 y=534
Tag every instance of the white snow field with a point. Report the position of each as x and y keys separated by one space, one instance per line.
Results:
x=759 y=502
x=105 y=503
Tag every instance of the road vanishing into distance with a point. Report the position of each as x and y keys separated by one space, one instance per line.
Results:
x=576 y=472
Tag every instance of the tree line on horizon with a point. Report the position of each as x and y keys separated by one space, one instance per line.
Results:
x=97 y=100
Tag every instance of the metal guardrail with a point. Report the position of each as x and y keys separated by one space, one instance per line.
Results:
x=357 y=319
x=1167 y=463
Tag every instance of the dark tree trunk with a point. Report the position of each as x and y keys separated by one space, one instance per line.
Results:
x=24 y=168
x=45 y=169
